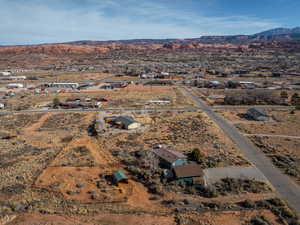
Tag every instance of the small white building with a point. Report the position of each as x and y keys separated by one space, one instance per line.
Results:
x=13 y=78
x=14 y=85
x=5 y=73
x=2 y=106
x=159 y=102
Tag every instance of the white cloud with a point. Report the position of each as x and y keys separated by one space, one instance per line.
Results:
x=38 y=22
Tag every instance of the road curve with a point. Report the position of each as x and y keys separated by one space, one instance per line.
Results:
x=285 y=187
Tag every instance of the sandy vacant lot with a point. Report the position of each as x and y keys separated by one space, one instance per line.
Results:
x=284 y=123
x=131 y=96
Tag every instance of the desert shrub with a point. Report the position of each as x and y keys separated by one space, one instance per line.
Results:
x=82 y=150
x=236 y=186
x=67 y=139
x=252 y=98
x=261 y=220
x=13 y=189
x=56 y=103
x=248 y=204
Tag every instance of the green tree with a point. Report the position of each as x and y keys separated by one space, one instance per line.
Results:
x=297 y=104
x=56 y=103
x=197 y=155
x=284 y=95
x=295 y=100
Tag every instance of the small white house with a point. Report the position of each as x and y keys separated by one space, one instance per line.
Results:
x=159 y=102
x=14 y=85
x=5 y=73
x=2 y=106
x=13 y=78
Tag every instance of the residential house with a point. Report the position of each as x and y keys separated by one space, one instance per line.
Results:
x=258 y=114
x=190 y=173
x=170 y=158
x=117 y=84
x=159 y=83
x=247 y=85
x=14 y=85
x=107 y=86
x=60 y=85
x=127 y=122
x=5 y=73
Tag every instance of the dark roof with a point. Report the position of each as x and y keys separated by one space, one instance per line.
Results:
x=125 y=120
x=169 y=155
x=257 y=111
x=189 y=170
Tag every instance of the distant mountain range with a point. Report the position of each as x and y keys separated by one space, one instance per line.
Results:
x=280 y=39
x=280 y=31
x=277 y=34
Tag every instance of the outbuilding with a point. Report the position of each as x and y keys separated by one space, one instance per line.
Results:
x=258 y=114
x=120 y=177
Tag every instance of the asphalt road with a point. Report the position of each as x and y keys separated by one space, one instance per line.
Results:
x=285 y=187
x=229 y=107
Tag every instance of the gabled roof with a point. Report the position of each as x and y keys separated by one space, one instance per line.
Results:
x=189 y=170
x=126 y=120
x=169 y=155
x=257 y=111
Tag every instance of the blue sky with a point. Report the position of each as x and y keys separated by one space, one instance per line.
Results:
x=51 y=21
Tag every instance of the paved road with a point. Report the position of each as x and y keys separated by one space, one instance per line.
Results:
x=272 y=135
x=97 y=110
x=286 y=188
x=230 y=107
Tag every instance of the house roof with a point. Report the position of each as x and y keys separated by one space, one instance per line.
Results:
x=189 y=170
x=169 y=155
x=257 y=111
x=119 y=175
x=126 y=120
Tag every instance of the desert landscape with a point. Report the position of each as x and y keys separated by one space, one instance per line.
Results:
x=148 y=131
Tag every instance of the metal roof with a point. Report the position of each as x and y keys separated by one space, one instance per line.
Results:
x=256 y=111
x=119 y=176
x=189 y=170
x=125 y=120
x=169 y=155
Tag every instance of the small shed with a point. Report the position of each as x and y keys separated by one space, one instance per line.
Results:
x=120 y=177
x=170 y=158
x=190 y=173
x=127 y=122
x=258 y=114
